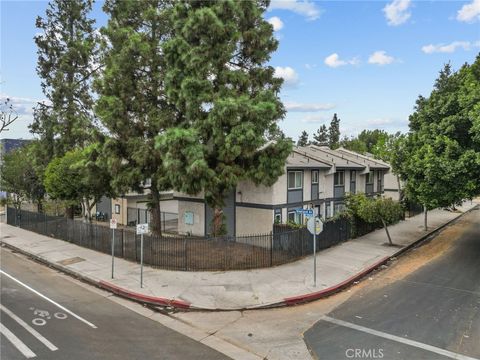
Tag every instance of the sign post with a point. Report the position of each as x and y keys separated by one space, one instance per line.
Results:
x=315 y=226
x=113 y=226
x=141 y=229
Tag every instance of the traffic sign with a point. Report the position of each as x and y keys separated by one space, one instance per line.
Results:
x=113 y=223
x=315 y=225
x=306 y=212
x=142 y=229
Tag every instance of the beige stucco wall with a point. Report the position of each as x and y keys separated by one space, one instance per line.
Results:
x=307 y=185
x=248 y=192
x=253 y=221
x=169 y=206
x=122 y=217
x=198 y=209
x=327 y=186
x=279 y=190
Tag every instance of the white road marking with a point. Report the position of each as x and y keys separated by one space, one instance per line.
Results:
x=27 y=327
x=24 y=349
x=399 y=339
x=48 y=299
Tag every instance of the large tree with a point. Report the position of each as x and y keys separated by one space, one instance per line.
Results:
x=132 y=104
x=66 y=61
x=334 y=132
x=320 y=138
x=78 y=177
x=226 y=98
x=303 y=139
x=20 y=176
x=442 y=151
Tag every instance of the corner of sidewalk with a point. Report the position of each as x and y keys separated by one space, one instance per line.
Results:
x=185 y=305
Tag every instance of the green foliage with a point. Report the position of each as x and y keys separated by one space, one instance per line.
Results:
x=66 y=56
x=21 y=176
x=226 y=99
x=78 y=177
x=132 y=103
x=440 y=158
x=334 y=133
x=373 y=210
x=320 y=138
x=303 y=139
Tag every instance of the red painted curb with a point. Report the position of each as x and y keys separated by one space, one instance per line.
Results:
x=144 y=298
x=335 y=288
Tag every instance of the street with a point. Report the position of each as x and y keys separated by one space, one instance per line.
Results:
x=46 y=316
x=432 y=313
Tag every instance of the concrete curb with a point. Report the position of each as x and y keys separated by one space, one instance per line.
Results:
x=184 y=305
x=300 y=299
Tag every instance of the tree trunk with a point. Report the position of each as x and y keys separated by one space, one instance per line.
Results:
x=39 y=206
x=70 y=212
x=386 y=230
x=217 y=224
x=400 y=191
x=425 y=218
x=156 y=219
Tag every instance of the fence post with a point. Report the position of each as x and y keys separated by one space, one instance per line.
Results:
x=271 y=249
x=185 y=252
x=123 y=243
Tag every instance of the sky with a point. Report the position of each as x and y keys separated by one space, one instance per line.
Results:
x=367 y=61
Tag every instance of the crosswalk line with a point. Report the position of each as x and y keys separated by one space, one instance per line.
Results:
x=27 y=327
x=24 y=349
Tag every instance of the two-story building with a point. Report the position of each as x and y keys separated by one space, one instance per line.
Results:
x=314 y=176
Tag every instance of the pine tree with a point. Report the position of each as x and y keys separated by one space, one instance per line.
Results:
x=132 y=104
x=303 y=139
x=226 y=97
x=66 y=57
x=320 y=138
x=334 y=132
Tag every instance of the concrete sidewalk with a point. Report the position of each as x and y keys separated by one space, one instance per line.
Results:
x=288 y=284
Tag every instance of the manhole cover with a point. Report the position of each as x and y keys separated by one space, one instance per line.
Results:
x=71 y=261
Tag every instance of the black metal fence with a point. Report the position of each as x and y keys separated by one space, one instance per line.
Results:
x=188 y=253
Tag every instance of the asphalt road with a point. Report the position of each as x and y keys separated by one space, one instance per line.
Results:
x=80 y=324
x=433 y=313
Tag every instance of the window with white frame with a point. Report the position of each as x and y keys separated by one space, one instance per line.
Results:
x=339 y=178
x=295 y=180
x=314 y=176
x=294 y=217
x=338 y=208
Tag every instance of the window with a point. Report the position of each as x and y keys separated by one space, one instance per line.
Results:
x=370 y=178
x=295 y=180
x=338 y=208
x=314 y=176
x=117 y=208
x=338 y=179
x=278 y=216
x=295 y=217
x=328 y=210
x=380 y=180
x=353 y=181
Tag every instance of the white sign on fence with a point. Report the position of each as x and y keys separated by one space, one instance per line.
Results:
x=113 y=223
x=142 y=229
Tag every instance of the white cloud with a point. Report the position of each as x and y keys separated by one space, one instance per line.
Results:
x=397 y=12
x=305 y=107
x=334 y=61
x=288 y=74
x=449 y=48
x=302 y=7
x=380 y=57
x=310 y=66
x=276 y=22
x=469 y=12
x=315 y=119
